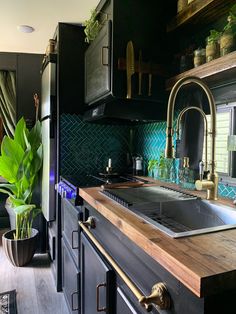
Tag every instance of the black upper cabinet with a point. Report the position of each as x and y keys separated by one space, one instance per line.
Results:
x=105 y=59
x=98 y=69
x=69 y=52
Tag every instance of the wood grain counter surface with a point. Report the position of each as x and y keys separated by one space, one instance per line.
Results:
x=205 y=264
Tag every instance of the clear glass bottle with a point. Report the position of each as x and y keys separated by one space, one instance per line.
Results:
x=184 y=173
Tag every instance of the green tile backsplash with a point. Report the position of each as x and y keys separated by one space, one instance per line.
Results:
x=86 y=147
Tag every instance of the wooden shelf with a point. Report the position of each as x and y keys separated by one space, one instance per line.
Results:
x=200 y=12
x=215 y=72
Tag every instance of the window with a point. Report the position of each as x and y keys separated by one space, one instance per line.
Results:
x=224 y=127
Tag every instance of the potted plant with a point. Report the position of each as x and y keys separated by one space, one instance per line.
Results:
x=152 y=167
x=20 y=162
x=227 y=39
x=92 y=27
x=212 y=45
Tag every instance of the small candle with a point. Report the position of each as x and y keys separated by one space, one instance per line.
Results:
x=109 y=163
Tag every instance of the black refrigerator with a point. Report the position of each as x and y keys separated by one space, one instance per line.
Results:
x=62 y=84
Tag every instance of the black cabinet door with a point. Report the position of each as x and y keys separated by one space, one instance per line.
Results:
x=97 y=281
x=98 y=66
x=70 y=229
x=70 y=280
x=123 y=306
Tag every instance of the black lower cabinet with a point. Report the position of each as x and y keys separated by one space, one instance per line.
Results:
x=123 y=305
x=70 y=215
x=97 y=281
x=70 y=280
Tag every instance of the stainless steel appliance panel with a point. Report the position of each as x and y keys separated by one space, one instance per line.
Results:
x=48 y=140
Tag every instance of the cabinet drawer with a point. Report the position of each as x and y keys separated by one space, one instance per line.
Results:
x=70 y=280
x=98 y=66
x=70 y=230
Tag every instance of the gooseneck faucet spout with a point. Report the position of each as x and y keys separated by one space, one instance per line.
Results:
x=211 y=184
x=205 y=128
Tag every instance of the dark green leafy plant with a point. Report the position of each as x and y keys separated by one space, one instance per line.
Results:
x=20 y=162
x=92 y=27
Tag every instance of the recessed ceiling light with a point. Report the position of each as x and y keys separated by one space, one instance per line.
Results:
x=25 y=28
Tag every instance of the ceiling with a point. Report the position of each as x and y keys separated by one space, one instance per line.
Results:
x=43 y=16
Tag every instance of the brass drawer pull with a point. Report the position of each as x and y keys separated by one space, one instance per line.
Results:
x=159 y=294
x=103 y=309
x=90 y=222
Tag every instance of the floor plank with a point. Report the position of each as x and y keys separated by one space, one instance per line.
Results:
x=36 y=292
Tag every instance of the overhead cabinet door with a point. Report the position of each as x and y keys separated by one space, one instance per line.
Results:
x=98 y=66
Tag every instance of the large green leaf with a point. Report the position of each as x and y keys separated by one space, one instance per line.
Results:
x=12 y=149
x=5 y=191
x=37 y=160
x=19 y=133
x=19 y=210
x=8 y=169
x=11 y=187
x=16 y=201
x=35 y=136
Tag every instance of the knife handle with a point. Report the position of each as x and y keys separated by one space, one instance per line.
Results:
x=140 y=83
x=129 y=88
x=149 y=84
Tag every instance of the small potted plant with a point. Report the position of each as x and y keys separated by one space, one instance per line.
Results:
x=20 y=162
x=227 y=39
x=92 y=27
x=212 y=45
x=152 y=167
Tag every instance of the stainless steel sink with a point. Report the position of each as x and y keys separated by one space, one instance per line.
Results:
x=175 y=213
x=187 y=218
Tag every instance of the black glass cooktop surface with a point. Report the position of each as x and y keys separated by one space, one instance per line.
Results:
x=95 y=180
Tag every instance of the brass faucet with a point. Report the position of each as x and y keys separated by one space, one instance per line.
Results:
x=211 y=184
x=178 y=122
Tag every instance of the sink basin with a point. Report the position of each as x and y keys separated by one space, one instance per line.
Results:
x=176 y=213
x=182 y=218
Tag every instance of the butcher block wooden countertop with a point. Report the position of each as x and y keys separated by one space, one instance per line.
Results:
x=205 y=264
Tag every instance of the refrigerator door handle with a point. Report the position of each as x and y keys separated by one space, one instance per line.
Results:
x=45 y=118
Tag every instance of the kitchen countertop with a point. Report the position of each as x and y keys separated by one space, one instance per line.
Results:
x=205 y=264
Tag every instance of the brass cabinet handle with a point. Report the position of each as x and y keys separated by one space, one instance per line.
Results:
x=159 y=295
x=103 y=309
x=72 y=239
x=90 y=222
x=102 y=55
x=72 y=301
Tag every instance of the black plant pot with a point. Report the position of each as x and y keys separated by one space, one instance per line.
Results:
x=19 y=252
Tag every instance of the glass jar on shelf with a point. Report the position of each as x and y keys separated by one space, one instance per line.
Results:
x=227 y=39
x=212 y=46
x=199 y=57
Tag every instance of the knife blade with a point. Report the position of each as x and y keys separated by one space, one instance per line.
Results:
x=140 y=73
x=129 y=67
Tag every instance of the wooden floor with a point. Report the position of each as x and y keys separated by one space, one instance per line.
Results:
x=36 y=293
